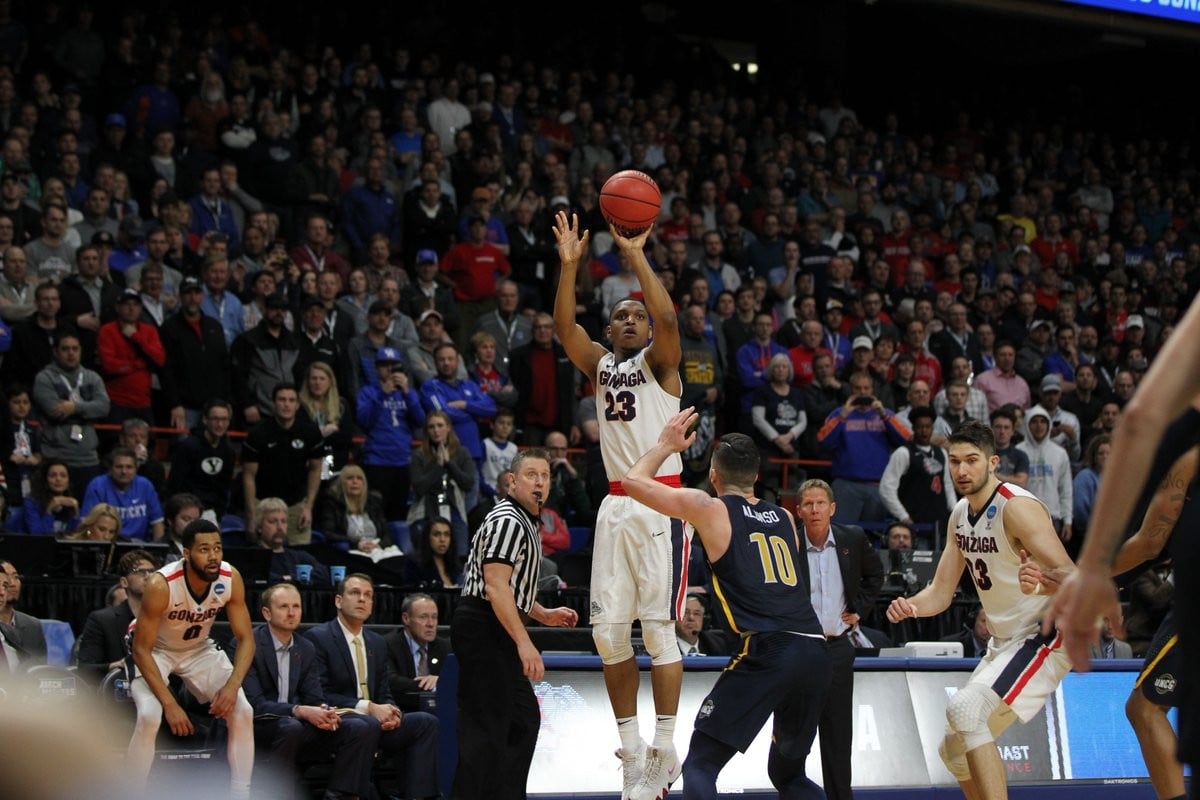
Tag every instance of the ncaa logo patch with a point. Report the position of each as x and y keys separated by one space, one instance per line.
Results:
x=706 y=709
x=219 y=588
x=1165 y=683
x=991 y=512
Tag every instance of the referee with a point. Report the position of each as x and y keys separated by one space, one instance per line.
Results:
x=498 y=715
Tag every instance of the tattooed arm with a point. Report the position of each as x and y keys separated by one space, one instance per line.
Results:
x=1161 y=515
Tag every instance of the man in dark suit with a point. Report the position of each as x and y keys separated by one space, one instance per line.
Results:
x=292 y=721
x=102 y=642
x=693 y=638
x=22 y=641
x=415 y=652
x=844 y=574
x=956 y=339
x=89 y=298
x=352 y=662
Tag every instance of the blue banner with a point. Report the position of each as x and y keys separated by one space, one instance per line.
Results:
x=1177 y=10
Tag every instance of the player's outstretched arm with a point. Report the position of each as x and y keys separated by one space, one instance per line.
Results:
x=572 y=249
x=937 y=596
x=1089 y=594
x=665 y=351
x=705 y=513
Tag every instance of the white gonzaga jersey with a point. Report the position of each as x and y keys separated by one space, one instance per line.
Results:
x=994 y=564
x=188 y=619
x=632 y=410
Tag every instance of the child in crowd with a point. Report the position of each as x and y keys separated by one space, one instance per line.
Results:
x=498 y=450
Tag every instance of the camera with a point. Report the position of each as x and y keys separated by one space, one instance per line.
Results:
x=864 y=400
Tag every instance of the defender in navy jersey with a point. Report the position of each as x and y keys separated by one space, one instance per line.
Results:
x=997 y=527
x=1168 y=503
x=1168 y=389
x=758 y=575
x=170 y=637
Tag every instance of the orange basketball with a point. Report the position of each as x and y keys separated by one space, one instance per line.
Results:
x=630 y=201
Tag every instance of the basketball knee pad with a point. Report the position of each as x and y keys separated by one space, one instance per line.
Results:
x=661 y=644
x=968 y=713
x=954 y=755
x=612 y=641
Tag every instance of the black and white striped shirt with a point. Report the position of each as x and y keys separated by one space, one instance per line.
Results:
x=509 y=535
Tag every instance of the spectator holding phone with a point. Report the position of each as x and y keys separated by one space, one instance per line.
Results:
x=859 y=437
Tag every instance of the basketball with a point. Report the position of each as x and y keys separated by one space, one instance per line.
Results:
x=630 y=201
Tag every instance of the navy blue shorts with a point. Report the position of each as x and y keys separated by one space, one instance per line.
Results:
x=781 y=673
x=1163 y=667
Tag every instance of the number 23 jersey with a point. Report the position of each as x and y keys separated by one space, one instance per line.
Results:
x=632 y=410
x=994 y=564
x=187 y=619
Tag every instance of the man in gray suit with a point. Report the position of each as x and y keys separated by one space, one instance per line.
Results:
x=21 y=636
x=1110 y=646
x=510 y=327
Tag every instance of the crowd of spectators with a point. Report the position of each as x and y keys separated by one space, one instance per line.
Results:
x=307 y=290
x=299 y=260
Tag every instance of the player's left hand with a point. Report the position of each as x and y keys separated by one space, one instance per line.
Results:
x=223 y=701
x=571 y=244
x=677 y=434
x=1030 y=575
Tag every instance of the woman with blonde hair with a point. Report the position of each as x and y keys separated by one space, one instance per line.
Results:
x=443 y=476
x=320 y=399
x=101 y=524
x=354 y=514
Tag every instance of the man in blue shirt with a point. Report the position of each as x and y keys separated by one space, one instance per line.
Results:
x=209 y=211
x=461 y=398
x=222 y=305
x=370 y=208
x=131 y=494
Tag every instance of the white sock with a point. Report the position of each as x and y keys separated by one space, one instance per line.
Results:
x=631 y=737
x=664 y=732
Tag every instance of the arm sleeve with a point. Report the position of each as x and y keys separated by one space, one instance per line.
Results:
x=1066 y=494
x=758 y=414
x=801 y=425
x=889 y=483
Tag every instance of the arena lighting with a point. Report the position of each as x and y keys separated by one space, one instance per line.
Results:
x=1186 y=11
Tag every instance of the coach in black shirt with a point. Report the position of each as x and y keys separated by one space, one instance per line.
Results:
x=498 y=716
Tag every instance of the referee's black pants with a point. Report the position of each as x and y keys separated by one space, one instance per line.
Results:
x=498 y=714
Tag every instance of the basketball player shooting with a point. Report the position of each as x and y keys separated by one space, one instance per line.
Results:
x=639 y=558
